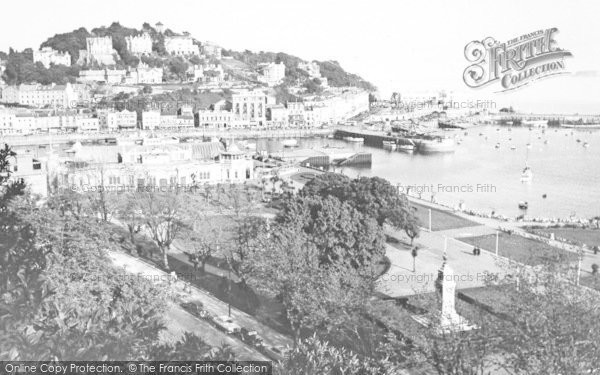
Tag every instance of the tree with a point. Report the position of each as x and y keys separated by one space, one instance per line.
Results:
x=160 y=214
x=204 y=240
x=412 y=228
x=131 y=215
x=336 y=228
x=315 y=356
x=178 y=67
x=373 y=196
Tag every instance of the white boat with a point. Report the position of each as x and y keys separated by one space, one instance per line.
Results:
x=513 y=147
x=527 y=174
x=528 y=145
x=523 y=205
x=497 y=145
x=354 y=139
x=290 y=143
x=406 y=148
x=389 y=145
x=437 y=145
x=585 y=144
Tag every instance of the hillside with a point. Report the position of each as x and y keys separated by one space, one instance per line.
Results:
x=20 y=67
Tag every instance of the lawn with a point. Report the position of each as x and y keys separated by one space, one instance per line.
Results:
x=440 y=220
x=522 y=249
x=591 y=281
x=588 y=236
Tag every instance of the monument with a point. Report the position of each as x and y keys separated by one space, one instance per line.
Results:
x=447 y=320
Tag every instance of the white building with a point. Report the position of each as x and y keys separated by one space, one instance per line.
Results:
x=57 y=96
x=218 y=119
x=210 y=49
x=24 y=167
x=314 y=71
x=144 y=75
x=139 y=44
x=250 y=107
x=278 y=115
x=112 y=76
x=150 y=120
x=98 y=49
x=112 y=121
x=181 y=45
x=176 y=122
x=272 y=74
x=48 y=56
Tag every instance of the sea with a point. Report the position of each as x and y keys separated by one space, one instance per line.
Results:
x=478 y=176
x=486 y=179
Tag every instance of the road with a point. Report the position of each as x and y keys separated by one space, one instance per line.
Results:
x=188 y=292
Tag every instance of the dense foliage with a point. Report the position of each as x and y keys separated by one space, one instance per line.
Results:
x=21 y=69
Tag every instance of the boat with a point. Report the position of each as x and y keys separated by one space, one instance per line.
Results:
x=354 y=139
x=528 y=145
x=406 y=148
x=436 y=145
x=389 y=145
x=513 y=147
x=290 y=143
x=527 y=174
x=497 y=145
x=523 y=205
x=585 y=144
x=546 y=142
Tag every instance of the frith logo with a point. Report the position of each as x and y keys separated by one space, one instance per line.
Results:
x=514 y=63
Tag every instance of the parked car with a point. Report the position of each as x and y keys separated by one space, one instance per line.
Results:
x=194 y=308
x=277 y=352
x=251 y=337
x=226 y=324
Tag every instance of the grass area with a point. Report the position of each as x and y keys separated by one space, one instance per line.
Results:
x=588 y=236
x=523 y=250
x=440 y=220
x=591 y=281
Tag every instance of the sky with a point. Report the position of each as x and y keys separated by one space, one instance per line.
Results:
x=402 y=46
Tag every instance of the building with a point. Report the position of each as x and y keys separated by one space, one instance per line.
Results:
x=162 y=165
x=150 y=120
x=272 y=74
x=144 y=75
x=24 y=167
x=176 y=121
x=217 y=119
x=211 y=50
x=278 y=115
x=99 y=50
x=112 y=76
x=159 y=27
x=56 y=96
x=48 y=56
x=250 y=107
x=139 y=44
x=181 y=45
x=312 y=68
x=113 y=121
x=92 y=75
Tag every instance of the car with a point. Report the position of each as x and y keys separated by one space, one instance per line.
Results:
x=194 y=308
x=251 y=337
x=226 y=324
x=277 y=352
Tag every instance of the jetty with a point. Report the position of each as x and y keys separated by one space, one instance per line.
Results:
x=423 y=143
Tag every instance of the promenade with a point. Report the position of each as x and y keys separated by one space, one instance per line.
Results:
x=45 y=139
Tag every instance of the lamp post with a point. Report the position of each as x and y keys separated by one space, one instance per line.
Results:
x=430 y=219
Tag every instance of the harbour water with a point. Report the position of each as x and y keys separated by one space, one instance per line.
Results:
x=566 y=175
